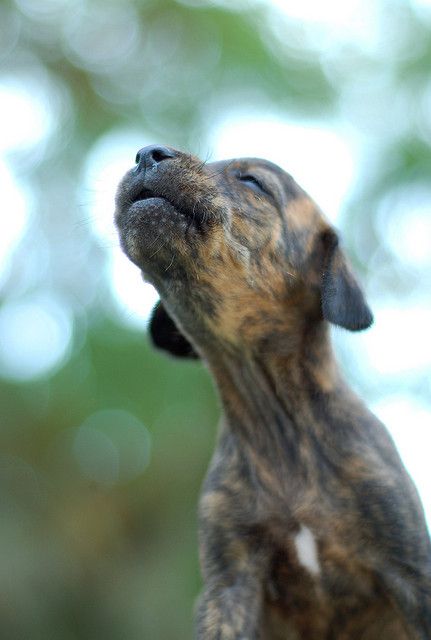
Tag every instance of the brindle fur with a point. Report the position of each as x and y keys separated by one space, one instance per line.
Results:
x=249 y=278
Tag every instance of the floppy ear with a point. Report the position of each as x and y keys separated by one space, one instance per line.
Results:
x=343 y=302
x=165 y=335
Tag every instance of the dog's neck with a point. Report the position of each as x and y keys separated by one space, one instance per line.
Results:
x=309 y=365
x=274 y=403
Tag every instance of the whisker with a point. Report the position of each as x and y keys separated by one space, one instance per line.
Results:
x=171 y=263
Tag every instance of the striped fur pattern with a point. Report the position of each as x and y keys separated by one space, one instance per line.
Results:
x=309 y=526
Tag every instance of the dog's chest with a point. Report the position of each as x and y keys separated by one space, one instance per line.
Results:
x=312 y=583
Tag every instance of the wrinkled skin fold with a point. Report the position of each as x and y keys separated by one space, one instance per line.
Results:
x=309 y=526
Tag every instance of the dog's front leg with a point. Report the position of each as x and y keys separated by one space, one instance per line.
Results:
x=230 y=608
x=234 y=562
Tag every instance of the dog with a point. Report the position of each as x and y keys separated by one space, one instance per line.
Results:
x=310 y=528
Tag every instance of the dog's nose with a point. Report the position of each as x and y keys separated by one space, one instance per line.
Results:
x=152 y=155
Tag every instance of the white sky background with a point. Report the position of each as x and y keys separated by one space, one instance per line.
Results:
x=398 y=344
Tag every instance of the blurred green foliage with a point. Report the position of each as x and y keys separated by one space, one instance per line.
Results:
x=97 y=541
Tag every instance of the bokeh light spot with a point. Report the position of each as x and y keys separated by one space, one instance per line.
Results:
x=399 y=340
x=13 y=222
x=100 y=37
x=25 y=118
x=404 y=224
x=35 y=337
x=112 y=446
x=96 y=455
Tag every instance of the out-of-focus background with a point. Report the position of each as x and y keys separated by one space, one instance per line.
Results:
x=104 y=443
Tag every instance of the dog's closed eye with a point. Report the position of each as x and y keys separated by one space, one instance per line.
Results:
x=254 y=183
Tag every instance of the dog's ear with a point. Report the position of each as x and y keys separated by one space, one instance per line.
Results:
x=165 y=334
x=343 y=302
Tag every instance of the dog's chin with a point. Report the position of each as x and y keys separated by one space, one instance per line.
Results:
x=155 y=234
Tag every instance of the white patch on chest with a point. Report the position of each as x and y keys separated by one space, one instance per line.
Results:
x=306 y=548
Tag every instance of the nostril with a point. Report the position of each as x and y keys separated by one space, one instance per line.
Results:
x=158 y=154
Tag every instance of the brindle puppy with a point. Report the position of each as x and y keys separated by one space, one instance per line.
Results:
x=310 y=527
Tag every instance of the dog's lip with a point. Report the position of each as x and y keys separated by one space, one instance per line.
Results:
x=145 y=194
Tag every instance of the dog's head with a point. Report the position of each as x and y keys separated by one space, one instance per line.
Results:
x=239 y=253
